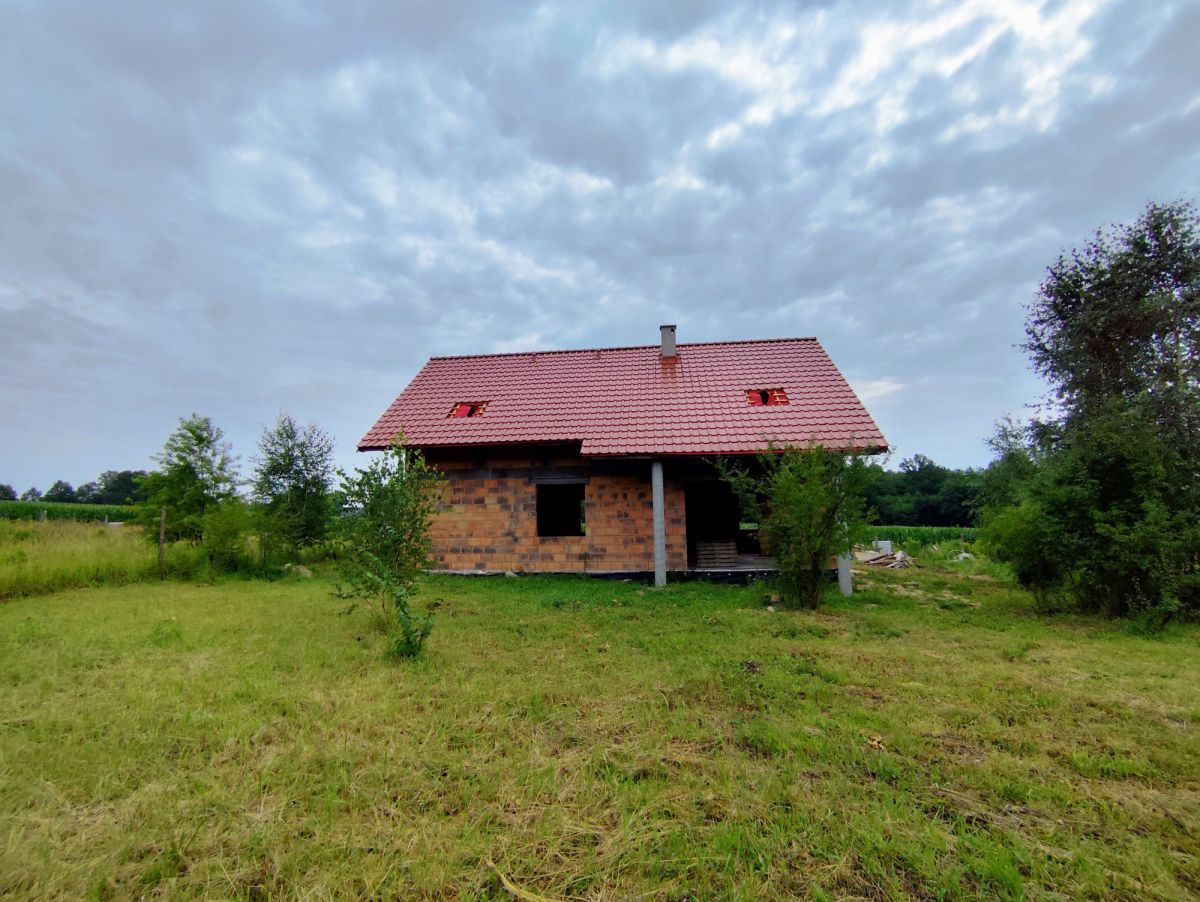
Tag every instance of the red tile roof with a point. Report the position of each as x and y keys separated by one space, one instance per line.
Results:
x=624 y=401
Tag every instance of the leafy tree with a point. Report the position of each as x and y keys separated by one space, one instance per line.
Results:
x=120 y=487
x=810 y=504
x=87 y=493
x=292 y=477
x=113 y=487
x=386 y=541
x=31 y=494
x=197 y=471
x=1119 y=320
x=1112 y=491
x=7 y=492
x=60 y=491
x=1017 y=456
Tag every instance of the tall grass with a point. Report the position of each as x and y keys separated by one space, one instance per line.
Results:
x=62 y=554
x=58 y=510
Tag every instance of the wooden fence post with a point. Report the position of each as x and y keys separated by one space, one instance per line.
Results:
x=162 y=535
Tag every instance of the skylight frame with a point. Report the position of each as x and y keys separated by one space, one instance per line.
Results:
x=467 y=410
x=767 y=397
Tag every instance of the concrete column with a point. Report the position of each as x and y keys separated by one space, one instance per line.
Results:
x=845 y=580
x=660 y=523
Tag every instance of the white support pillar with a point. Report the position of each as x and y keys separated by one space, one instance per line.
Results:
x=845 y=579
x=660 y=524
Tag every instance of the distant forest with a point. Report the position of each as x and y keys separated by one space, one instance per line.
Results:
x=923 y=493
x=110 y=487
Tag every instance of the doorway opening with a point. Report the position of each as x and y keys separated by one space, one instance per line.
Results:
x=719 y=535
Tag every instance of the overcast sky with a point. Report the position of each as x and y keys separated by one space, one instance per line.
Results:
x=241 y=208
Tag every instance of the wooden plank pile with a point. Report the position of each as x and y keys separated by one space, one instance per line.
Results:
x=897 y=560
x=716 y=555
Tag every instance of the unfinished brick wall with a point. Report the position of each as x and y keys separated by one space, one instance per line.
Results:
x=488 y=522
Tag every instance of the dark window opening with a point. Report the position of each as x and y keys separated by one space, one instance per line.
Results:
x=560 y=510
x=766 y=397
x=468 y=409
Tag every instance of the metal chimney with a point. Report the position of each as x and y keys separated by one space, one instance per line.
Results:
x=668 y=340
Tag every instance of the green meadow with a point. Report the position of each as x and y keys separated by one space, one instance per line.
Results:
x=579 y=739
x=36 y=558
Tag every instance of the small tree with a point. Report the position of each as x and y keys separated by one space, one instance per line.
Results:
x=7 y=492
x=31 y=494
x=386 y=541
x=197 y=471
x=810 y=506
x=292 y=477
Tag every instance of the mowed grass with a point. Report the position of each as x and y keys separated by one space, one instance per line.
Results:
x=585 y=739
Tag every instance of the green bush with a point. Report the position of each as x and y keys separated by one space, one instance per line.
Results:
x=385 y=539
x=1024 y=538
x=226 y=528
x=810 y=502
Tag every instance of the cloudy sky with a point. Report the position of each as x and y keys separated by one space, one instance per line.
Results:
x=239 y=208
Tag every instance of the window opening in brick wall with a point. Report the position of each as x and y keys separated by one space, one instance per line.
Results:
x=468 y=409
x=560 y=510
x=766 y=397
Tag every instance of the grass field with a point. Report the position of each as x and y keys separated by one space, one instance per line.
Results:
x=61 y=554
x=585 y=739
x=36 y=558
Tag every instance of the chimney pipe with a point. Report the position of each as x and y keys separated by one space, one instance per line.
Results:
x=668 y=340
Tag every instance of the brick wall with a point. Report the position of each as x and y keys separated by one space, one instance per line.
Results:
x=488 y=521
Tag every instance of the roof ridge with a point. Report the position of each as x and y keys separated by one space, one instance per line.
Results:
x=691 y=344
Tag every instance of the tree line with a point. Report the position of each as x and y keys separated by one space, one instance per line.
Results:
x=110 y=487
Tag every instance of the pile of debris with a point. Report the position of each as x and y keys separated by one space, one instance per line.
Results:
x=881 y=554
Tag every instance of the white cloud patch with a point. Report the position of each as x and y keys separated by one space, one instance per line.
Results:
x=869 y=390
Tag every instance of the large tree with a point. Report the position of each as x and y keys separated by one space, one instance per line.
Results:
x=1119 y=321
x=115 y=487
x=197 y=471
x=1115 y=500
x=292 y=478
x=60 y=491
x=7 y=492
